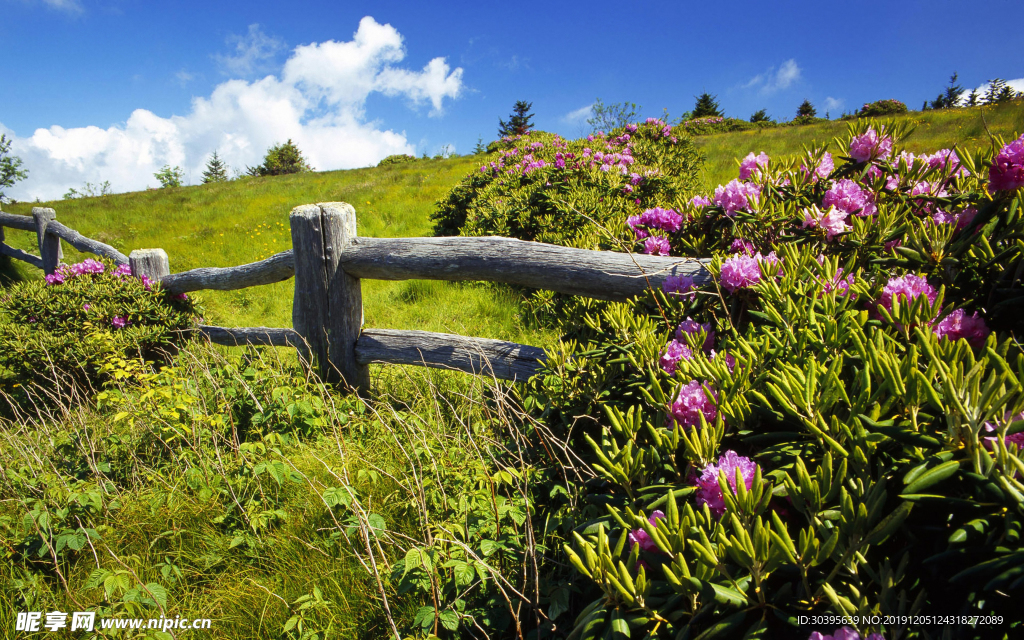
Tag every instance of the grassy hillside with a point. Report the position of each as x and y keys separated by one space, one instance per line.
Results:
x=935 y=130
x=227 y=224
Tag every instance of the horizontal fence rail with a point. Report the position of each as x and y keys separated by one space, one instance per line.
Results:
x=328 y=261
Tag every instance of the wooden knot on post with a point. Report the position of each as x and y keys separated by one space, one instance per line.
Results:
x=49 y=243
x=328 y=307
x=152 y=263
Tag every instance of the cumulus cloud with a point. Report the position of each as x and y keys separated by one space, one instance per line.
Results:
x=318 y=101
x=579 y=115
x=70 y=6
x=833 y=104
x=252 y=53
x=775 y=79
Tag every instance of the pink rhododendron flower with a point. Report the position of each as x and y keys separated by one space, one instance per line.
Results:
x=657 y=246
x=822 y=169
x=664 y=219
x=832 y=221
x=692 y=327
x=1007 y=170
x=123 y=270
x=1013 y=438
x=844 y=633
x=119 y=322
x=692 y=402
x=741 y=271
x=678 y=286
x=846 y=195
x=709 y=492
x=752 y=165
x=635 y=224
x=736 y=196
x=700 y=201
x=870 y=146
x=957 y=325
x=948 y=160
x=642 y=538
x=86 y=307
x=673 y=353
x=905 y=289
x=739 y=245
x=54 y=278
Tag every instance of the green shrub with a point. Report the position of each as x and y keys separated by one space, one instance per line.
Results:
x=802 y=120
x=842 y=367
x=397 y=158
x=281 y=159
x=881 y=108
x=61 y=330
x=718 y=124
x=572 y=193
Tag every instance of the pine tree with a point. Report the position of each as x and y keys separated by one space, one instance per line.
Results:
x=760 y=116
x=519 y=122
x=950 y=97
x=281 y=159
x=216 y=170
x=806 y=109
x=972 y=98
x=998 y=91
x=706 y=105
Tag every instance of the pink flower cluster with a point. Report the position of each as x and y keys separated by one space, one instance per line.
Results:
x=64 y=271
x=679 y=347
x=700 y=121
x=709 y=492
x=736 y=196
x=844 y=633
x=905 y=289
x=1013 y=438
x=691 y=402
x=656 y=218
x=741 y=271
x=752 y=165
x=962 y=219
x=701 y=201
x=958 y=325
x=1007 y=170
x=846 y=195
x=673 y=353
x=822 y=170
x=833 y=221
x=870 y=146
x=657 y=246
x=642 y=538
x=678 y=286
x=692 y=327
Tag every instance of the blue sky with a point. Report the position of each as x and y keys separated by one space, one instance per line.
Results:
x=114 y=89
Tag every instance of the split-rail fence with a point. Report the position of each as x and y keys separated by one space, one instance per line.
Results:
x=328 y=260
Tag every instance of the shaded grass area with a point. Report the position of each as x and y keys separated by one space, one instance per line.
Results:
x=227 y=224
x=968 y=128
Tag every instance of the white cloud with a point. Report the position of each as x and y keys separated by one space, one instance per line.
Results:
x=775 y=79
x=184 y=77
x=252 y=52
x=71 y=6
x=579 y=115
x=833 y=104
x=1016 y=84
x=318 y=101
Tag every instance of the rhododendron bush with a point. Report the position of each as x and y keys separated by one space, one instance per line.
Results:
x=831 y=425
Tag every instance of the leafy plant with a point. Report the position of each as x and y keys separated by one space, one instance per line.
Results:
x=281 y=159
x=10 y=166
x=169 y=176
x=616 y=115
x=396 y=159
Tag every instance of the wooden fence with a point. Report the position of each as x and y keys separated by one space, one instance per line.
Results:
x=328 y=260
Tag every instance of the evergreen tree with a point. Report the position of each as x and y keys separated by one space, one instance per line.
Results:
x=806 y=109
x=972 y=98
x=999 y=91
x=706 y=105
x=10 y=166
x=760 y=116
x=950 y=97
x=216 y=170
x=519 y=122
x=480 y=146
x=281 y=159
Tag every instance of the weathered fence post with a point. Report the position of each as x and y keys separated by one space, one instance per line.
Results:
x=328 y=307
x=49 y=243
x=152 y=263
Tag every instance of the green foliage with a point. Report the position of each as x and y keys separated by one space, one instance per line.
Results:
x=216 y=170
x=885 y=485
x=541 y=187
x=397 y=158
x=519 y=122
x=90 y=190
x=716 y=124
x=281 y=159
x=950 y=96
x=998 y=91
x=60 y=335
x=169 y=176
x=10 y=166
x=706 y=105
x=760 y=116
x=881 y=108
x=806 y=109
x=616 y=115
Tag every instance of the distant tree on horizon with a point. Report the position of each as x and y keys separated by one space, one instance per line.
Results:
x=806 y=109
x=759 y=116
x=169 y=176
x=950 y=96
x=606 y=117
x=216 y=170
x=281 y=159
x=10 y=167
x=519 y=122
x=706 y=106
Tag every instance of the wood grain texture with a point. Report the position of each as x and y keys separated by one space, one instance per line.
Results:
x=10 y=220
x=87 y=245
x=606 y=275
x=345 y=295
x=236 y=336
x=152 y=263
x=18 y=254
x=276 y=268
x=49 y=243
x=503 y=360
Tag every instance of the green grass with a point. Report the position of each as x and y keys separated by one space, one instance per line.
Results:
x=934 y=130
x=232 y=223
